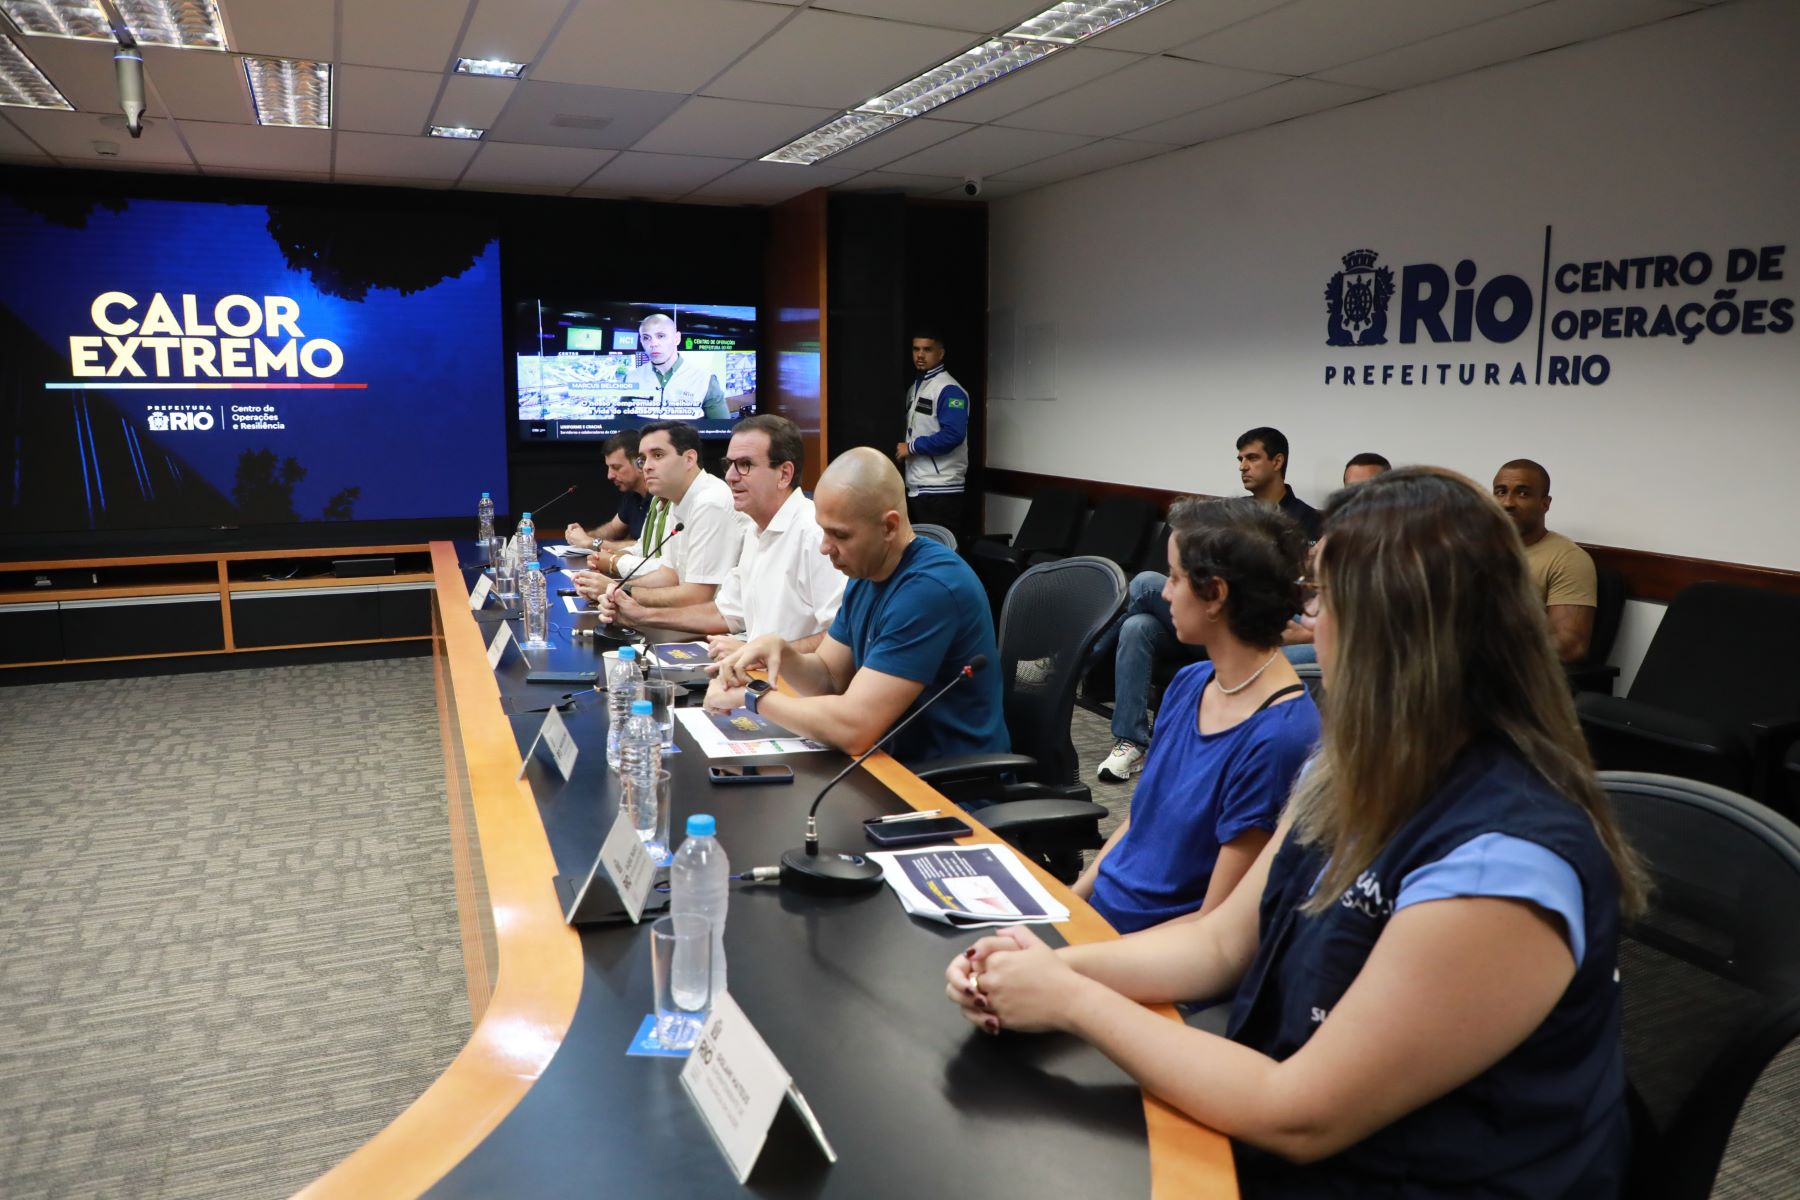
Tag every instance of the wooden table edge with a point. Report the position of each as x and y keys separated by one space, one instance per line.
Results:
x=541 y=964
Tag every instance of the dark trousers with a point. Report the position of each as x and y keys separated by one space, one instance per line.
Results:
x=941 y=509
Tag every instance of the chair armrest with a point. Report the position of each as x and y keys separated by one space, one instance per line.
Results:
x=1770 y=738
x=1075 y=824
x=955 y=767
x=1591 y=677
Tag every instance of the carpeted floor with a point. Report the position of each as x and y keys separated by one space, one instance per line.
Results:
x=1763 y=1160
x=231 y=948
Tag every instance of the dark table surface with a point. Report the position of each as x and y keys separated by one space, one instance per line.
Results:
x=847 y=991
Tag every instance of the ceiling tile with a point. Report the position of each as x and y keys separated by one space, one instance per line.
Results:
x=374 y=100
x=1043 y=79
x=1501 y=40
x=893 y=181
x=507 y=164
x=996 y=190
x=1156 y=89
x=474 y=101
x=834 y=61
x=975 y=16
x=418 y=35
x=571 y=114
x=199 y=86
x=83 y=71
x=1180 y=21
x=510 y=30
x=986 y=150
x=908 y=137
x=1083 y=160
x=732 y=128
x=265 y=148
x=280 y=28
x=386 y=156
x=769 y=183
x=1294 y=98
x=660 y=176
x=1311 y=35
x=70 y=136
x=668 y=46
x=13 y=143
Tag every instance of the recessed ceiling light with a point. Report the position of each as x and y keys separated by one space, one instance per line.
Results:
x=462 y=132
x=836 y=136
x=22 y=85
x=958 y=77
x=189 y=24
x=290 y=91
x=490 y=66
x=1066 y=24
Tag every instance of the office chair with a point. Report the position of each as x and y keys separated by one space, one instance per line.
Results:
x=1793 y=779
x=1710 y=976
x=1051 y=523
x=1155 y=554
x=1116 y=530
x=1717 y=697
x=938 y=534
x=1592 y=674
x=1051 y=618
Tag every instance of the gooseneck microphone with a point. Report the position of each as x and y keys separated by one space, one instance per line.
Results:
x=546 y=504
x=810 y=869
x=625 y=633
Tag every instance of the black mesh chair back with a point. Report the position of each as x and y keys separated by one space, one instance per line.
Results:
x=1117 y=530
x=1609 y=610
x=1710 y=975
x=1051 y=523
x=1048 y=625
x=936 y=533
x=1697 y=663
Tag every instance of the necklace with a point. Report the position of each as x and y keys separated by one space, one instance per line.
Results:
x=1232 y=691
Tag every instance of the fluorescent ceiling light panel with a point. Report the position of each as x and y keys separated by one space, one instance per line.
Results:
x=22 y=85
x=958 y=77
x=461 y=132
x=490 y=66
x=833 y=137
x=1066 y=24
x=188 y=24
x=290 y=91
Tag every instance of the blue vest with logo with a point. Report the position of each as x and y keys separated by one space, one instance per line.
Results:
x=1546 y=1121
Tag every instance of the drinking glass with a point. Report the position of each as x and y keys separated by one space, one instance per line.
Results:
x=681 y=964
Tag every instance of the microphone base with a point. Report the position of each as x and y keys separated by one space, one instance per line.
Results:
x=829 y=872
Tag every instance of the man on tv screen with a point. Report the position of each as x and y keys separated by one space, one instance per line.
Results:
x=674 y=380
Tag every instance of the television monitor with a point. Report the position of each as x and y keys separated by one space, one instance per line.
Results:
x=182 y=365
x=588 y=370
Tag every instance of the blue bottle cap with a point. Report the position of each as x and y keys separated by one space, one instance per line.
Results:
x=531 y=567
x=700 y=825
x=642 y=708
x=485 y=496
x=627 y=653
x=525 y=516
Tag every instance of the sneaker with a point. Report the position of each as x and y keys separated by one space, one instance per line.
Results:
x=1124 y=759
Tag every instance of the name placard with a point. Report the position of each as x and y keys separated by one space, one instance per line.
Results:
x=555 y=734
x=628 y=864
x=738 y=1085
x=483 y=588
x=497 y=647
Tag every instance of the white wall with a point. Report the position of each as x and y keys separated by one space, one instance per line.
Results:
x=1184 y=296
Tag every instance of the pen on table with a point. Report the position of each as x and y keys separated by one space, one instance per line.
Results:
x=911 y=816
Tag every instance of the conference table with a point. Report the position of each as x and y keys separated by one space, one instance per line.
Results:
x=846 y=990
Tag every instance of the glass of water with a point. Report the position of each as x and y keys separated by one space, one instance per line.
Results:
x=648 y=804
x=661 y=695
x=506 y=575
x=681 y=964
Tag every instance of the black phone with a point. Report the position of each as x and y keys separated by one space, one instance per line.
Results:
x=772 y=773
x=916 y=832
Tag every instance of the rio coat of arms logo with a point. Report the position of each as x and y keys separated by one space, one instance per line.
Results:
x=1356 y=302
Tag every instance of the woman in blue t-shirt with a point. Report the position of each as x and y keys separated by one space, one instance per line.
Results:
x=1425 y=955
x=1231 y=734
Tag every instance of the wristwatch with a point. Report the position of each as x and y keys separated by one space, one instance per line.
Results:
x=754 y=691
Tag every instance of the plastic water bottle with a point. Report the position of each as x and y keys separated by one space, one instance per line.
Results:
x=621 y=689
x=537 y=608
x=700 y=883
x=526 y=536
x=640 y=760
x=484 y=519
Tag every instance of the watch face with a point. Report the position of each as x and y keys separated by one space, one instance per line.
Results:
x=757 y=686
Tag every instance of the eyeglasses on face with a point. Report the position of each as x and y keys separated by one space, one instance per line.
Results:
x=743 y=466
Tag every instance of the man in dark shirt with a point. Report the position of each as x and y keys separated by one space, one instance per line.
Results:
x=1262 y=456
x=634 y=498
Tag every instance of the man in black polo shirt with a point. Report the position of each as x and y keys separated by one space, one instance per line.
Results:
x=1262 y=456
x=634 y=499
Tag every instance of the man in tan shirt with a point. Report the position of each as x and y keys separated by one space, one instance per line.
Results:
x=1561 y=569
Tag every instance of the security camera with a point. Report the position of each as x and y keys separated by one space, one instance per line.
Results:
x=972 y=186
x=128 y=65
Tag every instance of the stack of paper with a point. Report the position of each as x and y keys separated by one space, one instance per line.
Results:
x=968 y=886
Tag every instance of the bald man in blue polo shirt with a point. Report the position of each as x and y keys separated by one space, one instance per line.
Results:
x=913 y=616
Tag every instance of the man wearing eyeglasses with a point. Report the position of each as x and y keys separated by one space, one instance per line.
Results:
x=781 y=585
x=696 y=561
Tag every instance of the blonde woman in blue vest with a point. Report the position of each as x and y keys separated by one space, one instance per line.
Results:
x=1424 y=959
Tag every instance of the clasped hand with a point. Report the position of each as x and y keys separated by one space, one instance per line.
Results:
x=1011 y=980
x=610 y=599
x=733 y=671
